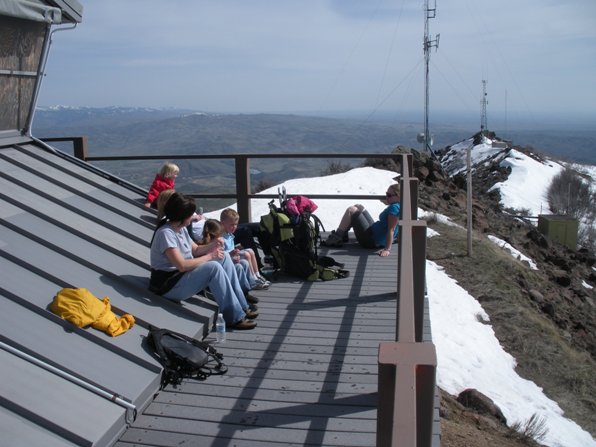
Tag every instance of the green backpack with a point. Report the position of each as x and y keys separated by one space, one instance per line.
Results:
x=294 y=246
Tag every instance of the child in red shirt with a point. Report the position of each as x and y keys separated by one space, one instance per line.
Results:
x=165 y=179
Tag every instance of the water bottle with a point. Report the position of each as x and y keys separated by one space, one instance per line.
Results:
x=220 y=329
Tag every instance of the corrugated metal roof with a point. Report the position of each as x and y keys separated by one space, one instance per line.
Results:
x=64 y=224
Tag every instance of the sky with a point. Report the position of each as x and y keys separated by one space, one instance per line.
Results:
x=468 y=352
x=329 y=56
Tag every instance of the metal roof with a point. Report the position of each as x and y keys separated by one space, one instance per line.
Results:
x=64 y=223
x=49 y=11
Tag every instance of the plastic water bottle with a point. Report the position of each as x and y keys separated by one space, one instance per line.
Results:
x=220 y=329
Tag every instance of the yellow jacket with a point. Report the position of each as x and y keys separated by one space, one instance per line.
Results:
x=82 y=308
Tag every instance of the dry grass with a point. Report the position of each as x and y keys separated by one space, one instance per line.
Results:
x=531 y=431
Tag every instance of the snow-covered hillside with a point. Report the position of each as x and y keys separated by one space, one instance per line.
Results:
x=529 y=178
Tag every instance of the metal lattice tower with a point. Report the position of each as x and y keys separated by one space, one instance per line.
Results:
x=429 y=13
x=484 y=102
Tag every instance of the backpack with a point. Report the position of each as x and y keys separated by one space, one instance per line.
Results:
x=275 y=228
x=292 y=242
x=184 y=357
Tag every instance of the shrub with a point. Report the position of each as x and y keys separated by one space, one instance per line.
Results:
x=335 y=167
x=534 y=429
x=261 y=186
x=569 y=194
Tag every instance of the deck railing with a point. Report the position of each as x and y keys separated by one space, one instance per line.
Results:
x=407 y=366
x=243 y=192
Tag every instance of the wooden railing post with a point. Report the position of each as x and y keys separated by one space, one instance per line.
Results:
x=80 y=146
x=406 y=394
x=242 y=163
x=419 y=276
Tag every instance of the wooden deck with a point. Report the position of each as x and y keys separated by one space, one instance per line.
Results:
x=307 y=375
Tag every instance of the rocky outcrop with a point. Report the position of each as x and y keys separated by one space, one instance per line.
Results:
x=474 y=399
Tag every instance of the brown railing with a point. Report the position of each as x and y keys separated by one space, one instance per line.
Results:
x=407 y=366
x=242 y=170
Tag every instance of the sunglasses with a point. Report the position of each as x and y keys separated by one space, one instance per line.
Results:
x=390 y=195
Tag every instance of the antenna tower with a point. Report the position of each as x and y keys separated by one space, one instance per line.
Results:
x=429 y=13
x=484 y=102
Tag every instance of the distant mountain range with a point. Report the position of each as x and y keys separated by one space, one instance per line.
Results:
x=148 y=131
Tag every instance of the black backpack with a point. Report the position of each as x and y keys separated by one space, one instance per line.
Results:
x=184 y=357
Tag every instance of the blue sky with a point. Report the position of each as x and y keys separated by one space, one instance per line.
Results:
x=321 y=56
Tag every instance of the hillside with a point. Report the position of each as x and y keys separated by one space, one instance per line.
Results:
x=545 y=318
x=149 y=132
x=123 y=131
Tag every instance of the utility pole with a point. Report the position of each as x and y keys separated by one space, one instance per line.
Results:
x=484 y=102
x=469 y=199
x=429 y=13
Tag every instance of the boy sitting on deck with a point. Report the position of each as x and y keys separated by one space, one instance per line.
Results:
x=229 y=219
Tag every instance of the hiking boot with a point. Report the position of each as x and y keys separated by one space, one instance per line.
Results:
x=251 y=299
x=251 y=314
x=333 y=240
x=243 y=324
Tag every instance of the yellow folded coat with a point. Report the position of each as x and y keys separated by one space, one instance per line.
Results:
x=82 y=308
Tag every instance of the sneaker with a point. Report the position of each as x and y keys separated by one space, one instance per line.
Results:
x=260 y=285
x=251 y=314
x=251 y=298
x=333 y=240
x=263 y=282
x=244 y=324
x=263 y=279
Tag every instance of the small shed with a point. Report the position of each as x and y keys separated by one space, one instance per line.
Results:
x=559 y=228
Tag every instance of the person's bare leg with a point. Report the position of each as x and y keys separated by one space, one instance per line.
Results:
x=346 y=221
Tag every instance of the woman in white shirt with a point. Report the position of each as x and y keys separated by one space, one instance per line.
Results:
x=180 y=268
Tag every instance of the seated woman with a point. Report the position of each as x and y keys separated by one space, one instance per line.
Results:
x=180 y=268
x=370 y=234
x=195 y=229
